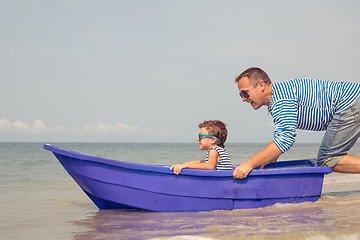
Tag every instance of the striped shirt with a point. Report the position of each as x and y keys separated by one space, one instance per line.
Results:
x=224 y=163
x=307 y=104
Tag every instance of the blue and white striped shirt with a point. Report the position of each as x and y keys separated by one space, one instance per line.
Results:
x=224 y=163
x=307 y=104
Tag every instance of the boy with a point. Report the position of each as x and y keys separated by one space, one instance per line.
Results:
x=212 y=137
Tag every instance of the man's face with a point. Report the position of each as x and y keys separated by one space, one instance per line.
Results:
x=249 y=92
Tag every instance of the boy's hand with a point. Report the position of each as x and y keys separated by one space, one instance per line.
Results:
x=177 y=168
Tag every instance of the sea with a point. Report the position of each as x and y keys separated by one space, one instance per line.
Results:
x=39 y=200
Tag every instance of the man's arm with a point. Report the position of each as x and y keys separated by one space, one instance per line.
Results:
x=270 y=153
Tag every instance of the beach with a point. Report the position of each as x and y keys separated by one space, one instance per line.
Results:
x=40 y=200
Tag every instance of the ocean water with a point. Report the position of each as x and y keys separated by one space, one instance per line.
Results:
x=39 y=200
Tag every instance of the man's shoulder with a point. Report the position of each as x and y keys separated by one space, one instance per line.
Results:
x=284 y=90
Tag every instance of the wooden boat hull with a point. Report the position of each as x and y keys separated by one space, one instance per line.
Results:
x=114 y=184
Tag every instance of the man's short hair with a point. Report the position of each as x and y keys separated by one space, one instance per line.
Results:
x=255 y=74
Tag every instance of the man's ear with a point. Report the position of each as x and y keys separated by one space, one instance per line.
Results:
x=262 y=85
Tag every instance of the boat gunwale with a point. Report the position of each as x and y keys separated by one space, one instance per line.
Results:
x=288 y=170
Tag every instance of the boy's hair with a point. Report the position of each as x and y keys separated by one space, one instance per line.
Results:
x=216 y=128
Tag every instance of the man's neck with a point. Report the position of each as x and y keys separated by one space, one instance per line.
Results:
x=268 y=94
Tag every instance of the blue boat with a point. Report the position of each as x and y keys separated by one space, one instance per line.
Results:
x=113 y=184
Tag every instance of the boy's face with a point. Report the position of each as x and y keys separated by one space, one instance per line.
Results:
x=205 y=143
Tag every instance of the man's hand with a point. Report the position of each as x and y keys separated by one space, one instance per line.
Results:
x=272 y=161
x=268 y=155
x=242 y=170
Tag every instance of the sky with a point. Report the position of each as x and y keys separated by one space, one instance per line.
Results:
x=151 y=71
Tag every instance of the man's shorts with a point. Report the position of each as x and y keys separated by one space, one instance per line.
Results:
x=342 y=133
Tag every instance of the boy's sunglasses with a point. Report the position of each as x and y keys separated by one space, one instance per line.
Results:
x=209 y=136
x=245 y=93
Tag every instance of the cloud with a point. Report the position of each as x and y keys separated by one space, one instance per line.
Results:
x=20 y=127
x=100 y=129
x=109 y=129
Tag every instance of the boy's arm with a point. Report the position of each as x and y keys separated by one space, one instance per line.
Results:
x=196 y=161
x=210 y=165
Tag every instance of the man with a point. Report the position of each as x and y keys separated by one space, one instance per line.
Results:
x=306 y=104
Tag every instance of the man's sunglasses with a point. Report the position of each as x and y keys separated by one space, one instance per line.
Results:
x=245 y=93
x=209 y=136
